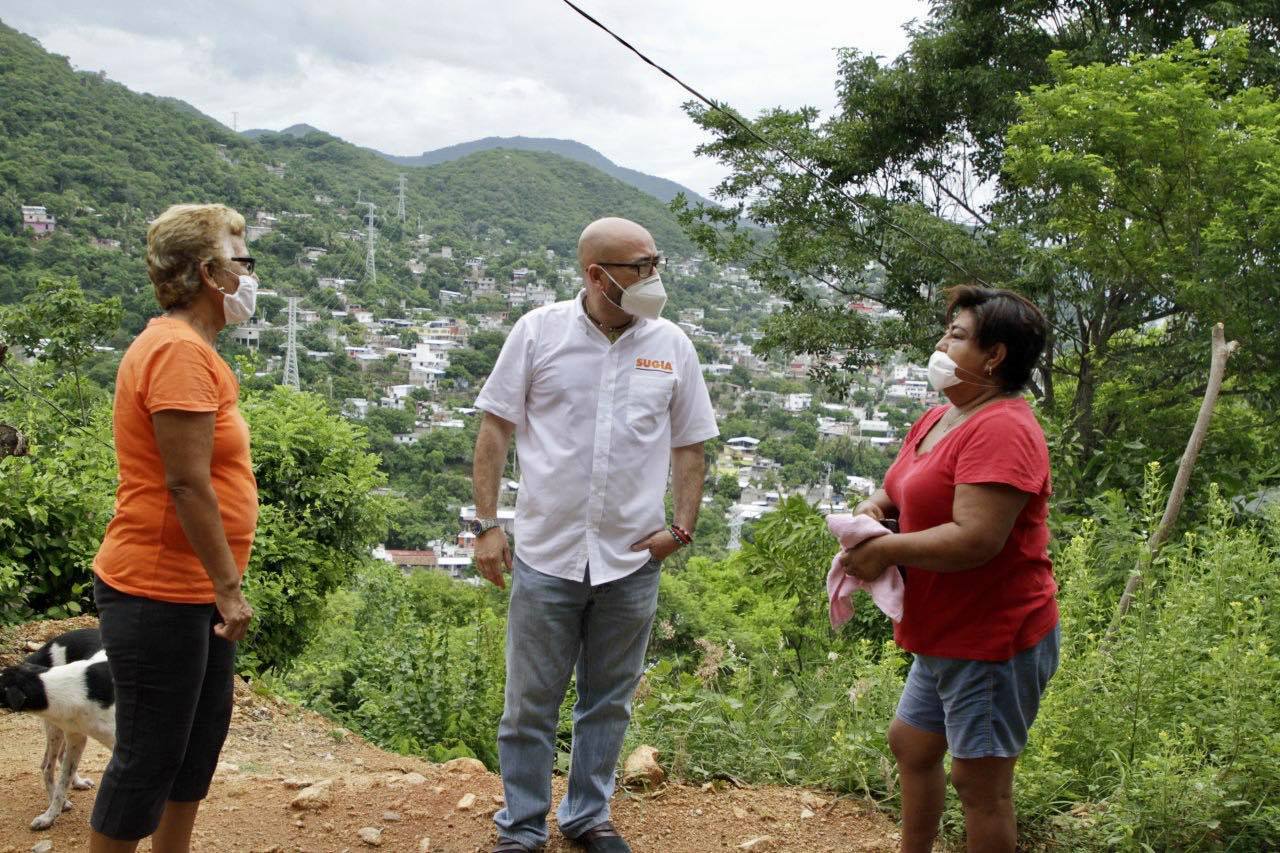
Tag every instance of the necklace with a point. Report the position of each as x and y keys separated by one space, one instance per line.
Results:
x=610 y=331
x=962 y=414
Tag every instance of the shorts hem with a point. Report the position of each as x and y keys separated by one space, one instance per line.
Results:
x=916 y=724
x=119 y=835
x=988 y=754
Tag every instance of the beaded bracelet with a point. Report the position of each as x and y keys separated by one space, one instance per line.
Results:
x=681 y=535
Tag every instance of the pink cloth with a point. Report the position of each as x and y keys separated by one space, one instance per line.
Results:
x=886 y=591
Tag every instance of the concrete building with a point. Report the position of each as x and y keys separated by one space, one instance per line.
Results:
x=36 y=218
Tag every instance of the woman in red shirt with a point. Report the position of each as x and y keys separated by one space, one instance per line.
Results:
x=970 y=489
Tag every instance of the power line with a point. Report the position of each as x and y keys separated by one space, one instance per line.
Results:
x=862 y=209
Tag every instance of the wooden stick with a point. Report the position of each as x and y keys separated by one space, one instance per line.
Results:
x=1222 y=350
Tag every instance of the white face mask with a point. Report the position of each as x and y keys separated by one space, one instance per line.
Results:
x=645 y=298
x=239 y=306
x=942 y=373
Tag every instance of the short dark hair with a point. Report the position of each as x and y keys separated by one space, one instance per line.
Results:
x=1004 y=317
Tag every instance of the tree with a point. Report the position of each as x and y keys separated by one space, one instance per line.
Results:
x=1156 y=186
x=922 y=143
x=61 y=326
x=319 y=516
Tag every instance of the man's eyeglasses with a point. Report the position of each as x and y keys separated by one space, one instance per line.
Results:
x=643 y=267
x=249 y=263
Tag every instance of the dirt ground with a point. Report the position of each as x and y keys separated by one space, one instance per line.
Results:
x=275 y=748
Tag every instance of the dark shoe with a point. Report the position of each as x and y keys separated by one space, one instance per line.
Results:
x=603 y=838
x=510 y=845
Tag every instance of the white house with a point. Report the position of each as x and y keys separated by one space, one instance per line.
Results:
x=797 y=402
x=355 y=407
x=875 y=431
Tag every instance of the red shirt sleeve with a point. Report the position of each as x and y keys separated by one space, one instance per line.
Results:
x=1008 y=448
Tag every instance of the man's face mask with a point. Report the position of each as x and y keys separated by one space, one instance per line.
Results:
x=646 y=298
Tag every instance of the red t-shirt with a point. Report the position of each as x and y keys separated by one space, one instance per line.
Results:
x=992 y=611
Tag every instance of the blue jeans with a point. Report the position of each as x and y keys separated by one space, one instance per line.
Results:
x=553 y=625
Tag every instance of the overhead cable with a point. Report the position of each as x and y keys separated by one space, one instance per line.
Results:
x=862 y=209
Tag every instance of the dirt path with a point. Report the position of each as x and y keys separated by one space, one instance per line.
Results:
x=274 y=747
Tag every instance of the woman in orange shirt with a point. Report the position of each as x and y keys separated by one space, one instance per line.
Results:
x=168 y=573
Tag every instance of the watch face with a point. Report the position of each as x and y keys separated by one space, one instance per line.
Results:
x=476 y=527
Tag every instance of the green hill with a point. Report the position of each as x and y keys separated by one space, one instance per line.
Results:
x=660 y=188
x=105 y=159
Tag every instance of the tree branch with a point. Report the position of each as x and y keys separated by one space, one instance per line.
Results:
x=1222 y=350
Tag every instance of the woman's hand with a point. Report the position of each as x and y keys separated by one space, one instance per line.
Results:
x=871 y=508
x=236 y=613
x=867 y=561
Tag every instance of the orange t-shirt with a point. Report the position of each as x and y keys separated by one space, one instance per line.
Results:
x=145 y=551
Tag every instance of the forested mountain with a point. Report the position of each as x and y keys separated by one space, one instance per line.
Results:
x=104 y=160
x=660 y=188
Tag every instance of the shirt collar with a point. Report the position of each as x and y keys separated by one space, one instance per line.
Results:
x=580 y=310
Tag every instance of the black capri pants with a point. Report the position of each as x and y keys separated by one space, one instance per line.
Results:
x=173 y=686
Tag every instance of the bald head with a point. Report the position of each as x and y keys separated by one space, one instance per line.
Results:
x=613 y=239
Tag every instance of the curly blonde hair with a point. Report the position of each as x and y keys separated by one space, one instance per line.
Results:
x=179 y=240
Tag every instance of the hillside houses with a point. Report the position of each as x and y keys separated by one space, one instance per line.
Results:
x=38 y=220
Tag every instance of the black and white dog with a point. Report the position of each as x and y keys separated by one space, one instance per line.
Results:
x=67 y=683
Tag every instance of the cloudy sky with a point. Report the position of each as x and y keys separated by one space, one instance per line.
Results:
x=404 y=77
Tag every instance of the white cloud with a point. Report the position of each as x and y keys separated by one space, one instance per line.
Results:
x=406 y=77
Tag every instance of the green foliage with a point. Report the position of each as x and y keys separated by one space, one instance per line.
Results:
x=319 y=515
x=1169 y=732
x=54 y=507
x=414 y=663
x=61 y=326
x=1123 y=187
x=750 y=719
x=318 y=519
x=717 y=601
x=1157 y=183
x=790 y=555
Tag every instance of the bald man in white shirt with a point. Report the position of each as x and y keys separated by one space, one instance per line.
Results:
x=603 y=397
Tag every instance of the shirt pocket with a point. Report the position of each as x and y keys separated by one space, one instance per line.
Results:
x=649 y=402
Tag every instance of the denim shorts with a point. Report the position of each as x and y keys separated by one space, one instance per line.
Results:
x=984 y=708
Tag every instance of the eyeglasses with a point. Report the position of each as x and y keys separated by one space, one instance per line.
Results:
x=643 y=267
x=249 y=263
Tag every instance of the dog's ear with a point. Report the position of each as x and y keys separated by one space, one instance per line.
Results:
x=15 y=697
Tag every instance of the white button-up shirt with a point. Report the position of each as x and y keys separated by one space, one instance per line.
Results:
x=595 y=424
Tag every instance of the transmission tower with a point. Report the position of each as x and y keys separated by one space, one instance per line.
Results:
x=291 y=351
x=401 y=210
x=370 y=268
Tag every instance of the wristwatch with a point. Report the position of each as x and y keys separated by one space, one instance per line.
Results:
x=480 y=525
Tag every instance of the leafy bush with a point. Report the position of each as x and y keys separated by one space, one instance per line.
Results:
x=413 y=663
x=319 y=514
x=319 y=517
x=756 y=720
x=1169 y=733
x=54 y=506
